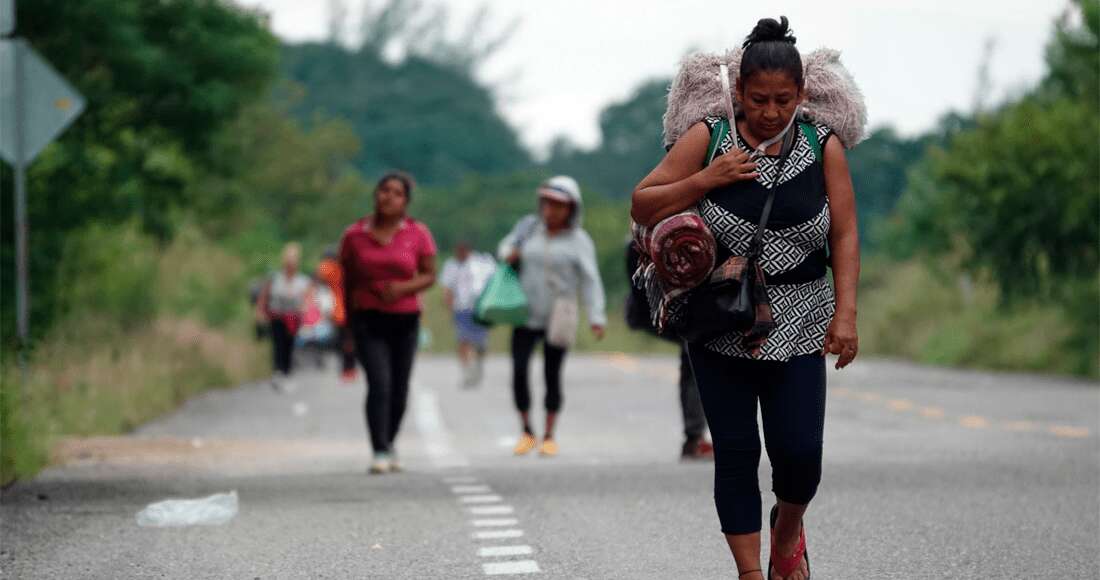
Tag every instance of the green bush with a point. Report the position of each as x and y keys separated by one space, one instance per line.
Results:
x=109 y=273
x=938 y=314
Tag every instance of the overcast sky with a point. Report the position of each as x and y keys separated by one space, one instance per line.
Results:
x=914 y=59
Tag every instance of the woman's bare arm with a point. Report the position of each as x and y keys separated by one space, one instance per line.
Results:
x=842 y=337
x=422 y=280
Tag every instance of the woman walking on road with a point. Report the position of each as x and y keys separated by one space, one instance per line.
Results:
x=388 y=260
x=556 y=261
x=814 y=208
x=281 y=304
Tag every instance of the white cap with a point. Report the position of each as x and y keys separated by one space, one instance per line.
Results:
x=561 y=188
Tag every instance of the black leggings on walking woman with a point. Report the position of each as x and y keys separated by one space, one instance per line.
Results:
x=282 y=344
x=386 y=345
x=792 y=404
x=523 y=346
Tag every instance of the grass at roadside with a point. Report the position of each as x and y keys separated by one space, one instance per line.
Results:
x=144 y=329
x=911 y=310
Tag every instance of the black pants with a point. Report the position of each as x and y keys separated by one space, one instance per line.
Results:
x=695 y=422
x=346 y=344
x=523 y=345
x=386 y=346
x=791 y=395
x=282 y=344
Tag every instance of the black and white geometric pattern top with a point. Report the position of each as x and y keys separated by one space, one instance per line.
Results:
x=794 y=255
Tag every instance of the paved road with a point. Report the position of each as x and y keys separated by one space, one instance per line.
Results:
x=928 y=474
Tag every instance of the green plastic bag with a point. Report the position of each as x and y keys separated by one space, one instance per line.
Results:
x=503 y=300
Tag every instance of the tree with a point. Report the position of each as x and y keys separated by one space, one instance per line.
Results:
x=430 y=119
x=1016 y=197
x=161 y=77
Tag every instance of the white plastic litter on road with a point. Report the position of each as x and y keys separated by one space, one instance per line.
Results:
x=213 y=510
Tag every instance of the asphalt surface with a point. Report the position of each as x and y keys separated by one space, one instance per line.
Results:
x=928 y=474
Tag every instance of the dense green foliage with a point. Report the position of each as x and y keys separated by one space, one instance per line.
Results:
x=416 y=115
x=161 y=79
x=1015 y=199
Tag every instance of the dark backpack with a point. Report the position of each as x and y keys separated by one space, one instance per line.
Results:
x=637 y=306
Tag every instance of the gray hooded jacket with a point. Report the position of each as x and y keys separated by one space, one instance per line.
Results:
x=563 y=265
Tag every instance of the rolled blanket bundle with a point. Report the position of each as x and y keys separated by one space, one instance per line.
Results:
x=677 y=255
x=681 y=247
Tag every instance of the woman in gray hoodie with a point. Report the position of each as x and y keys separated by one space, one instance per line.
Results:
x=557 y=263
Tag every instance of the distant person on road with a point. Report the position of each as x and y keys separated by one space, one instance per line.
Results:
x=388 y=260
x=638 y=317
x=557 y=262
x=463 y=278
x=332 y=274
x=281 y=304
x=814 y=212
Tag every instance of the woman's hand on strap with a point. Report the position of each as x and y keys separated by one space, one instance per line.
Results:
x=737 y=165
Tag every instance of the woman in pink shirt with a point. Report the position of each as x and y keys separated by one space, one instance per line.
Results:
x=388 y=259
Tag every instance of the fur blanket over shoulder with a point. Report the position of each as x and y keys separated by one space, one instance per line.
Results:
x=832 y=97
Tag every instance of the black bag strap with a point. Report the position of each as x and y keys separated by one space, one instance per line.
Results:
x=757 y=246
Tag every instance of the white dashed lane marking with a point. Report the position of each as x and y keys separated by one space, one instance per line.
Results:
x=492 y=510
x=498 y=551
x=495 y=523
x=517 y=567
x=490 y=498
x=498 y=534
x=477 y=497
x=475 y=489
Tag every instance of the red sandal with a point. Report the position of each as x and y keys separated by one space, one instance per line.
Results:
x=786 y=566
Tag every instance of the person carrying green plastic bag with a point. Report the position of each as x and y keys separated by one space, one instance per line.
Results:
x=557 y=270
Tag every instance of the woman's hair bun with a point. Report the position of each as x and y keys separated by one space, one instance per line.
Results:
x=770 y=30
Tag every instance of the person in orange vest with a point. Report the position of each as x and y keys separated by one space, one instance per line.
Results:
x=332 y=274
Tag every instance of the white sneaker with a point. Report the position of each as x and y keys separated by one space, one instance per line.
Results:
x=381 y=464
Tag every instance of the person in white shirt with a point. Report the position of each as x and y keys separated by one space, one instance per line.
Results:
x=464 y=277
x=282 y=303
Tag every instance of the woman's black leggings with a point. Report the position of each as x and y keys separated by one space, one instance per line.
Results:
x=386 y=346
x=282 y=345
x=346 y=344
x=792 y=404
x=523 y=345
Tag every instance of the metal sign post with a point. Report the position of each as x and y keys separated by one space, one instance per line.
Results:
x=36 y=105
x=22 y=294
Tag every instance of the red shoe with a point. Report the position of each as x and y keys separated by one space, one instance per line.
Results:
x=348 y=376
x=786 y=565
x=697 y=450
